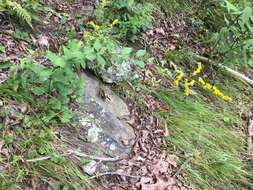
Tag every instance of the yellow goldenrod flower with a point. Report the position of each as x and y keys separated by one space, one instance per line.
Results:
x=216 y=91
x=207 y=86
x=227 y=98
x=201 y=81
x=95 y=26
x=178 y=78
x=104 y=3
x=186 y=91
x=174 y=66
x=192 y=83
x=116 y=21
x=187 y=85
x=198 y=70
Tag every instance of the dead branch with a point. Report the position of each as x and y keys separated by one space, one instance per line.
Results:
x=115 y=173
x=80 y=154
x=229 y=70
x=46 y=158
x=101 y=159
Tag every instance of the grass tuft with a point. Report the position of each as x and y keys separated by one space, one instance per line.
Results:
x=209 y=141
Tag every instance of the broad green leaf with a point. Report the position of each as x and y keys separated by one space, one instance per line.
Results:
x=97 y=45
x=38 y=91
x=126 y=50
x=2 y=48
x=56 y=60
x=66 y=116
x=246 y=15
x=141 y=64
x=110 y=46
x=140 y=53
x=55 y=104
x=230 y=7
x=90 y=54
x=45 y=74
x=101 y=60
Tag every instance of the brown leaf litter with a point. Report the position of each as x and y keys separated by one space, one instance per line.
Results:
x=154 y=167
x=171 y=33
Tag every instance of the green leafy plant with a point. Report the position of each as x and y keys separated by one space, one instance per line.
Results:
x=133 y=16
x=54 y=86
x=106 y=51
x=229 y=28
x=13 y=8
x=34 y=6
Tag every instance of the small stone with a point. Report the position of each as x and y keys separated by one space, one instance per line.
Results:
x=93 y=133
x=112 y=147
x=90 y=168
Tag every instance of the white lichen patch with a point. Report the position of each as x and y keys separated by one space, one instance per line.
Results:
x=90 y=168
x=93 y=133
x=112 y=147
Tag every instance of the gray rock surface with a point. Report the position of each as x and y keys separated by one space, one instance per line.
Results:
x=115 y=72
x=100 y=132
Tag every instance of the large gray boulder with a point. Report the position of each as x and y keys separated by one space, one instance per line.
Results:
x=100 y=129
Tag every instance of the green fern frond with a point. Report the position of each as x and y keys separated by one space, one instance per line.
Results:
x=19 y=11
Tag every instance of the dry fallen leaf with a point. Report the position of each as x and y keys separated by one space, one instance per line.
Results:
x=160 y=184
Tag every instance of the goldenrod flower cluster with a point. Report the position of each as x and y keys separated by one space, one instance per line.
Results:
x=104 y=3
x=95 y=26
x=198 y=70
x=205 y=85
x=116 y=21
x=187 y=85
x=179 y=78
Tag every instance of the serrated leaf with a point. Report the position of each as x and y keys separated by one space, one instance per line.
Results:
x=45 y=75
x=2 y=48
x=97 y=45
x=246 y=15
x=230 y=6
x=38 y=91
x=55 y=104
x=56 y=60
x=140 y=53
x=90 y=54
x=126 y=50
x=101 y=60
x=139 y=63
x=66 y=116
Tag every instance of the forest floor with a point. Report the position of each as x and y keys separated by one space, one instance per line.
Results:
x=194 y=142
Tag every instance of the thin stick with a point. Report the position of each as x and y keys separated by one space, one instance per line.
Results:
x=102 y=159
x=229 y=70
x=116 y=173
x=46 y=158
x=70 y=152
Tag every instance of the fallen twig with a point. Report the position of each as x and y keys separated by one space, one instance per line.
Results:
x=229 y=70
x=115 y=173
x=102 y=159
x=46 y=158
x=80 y=154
